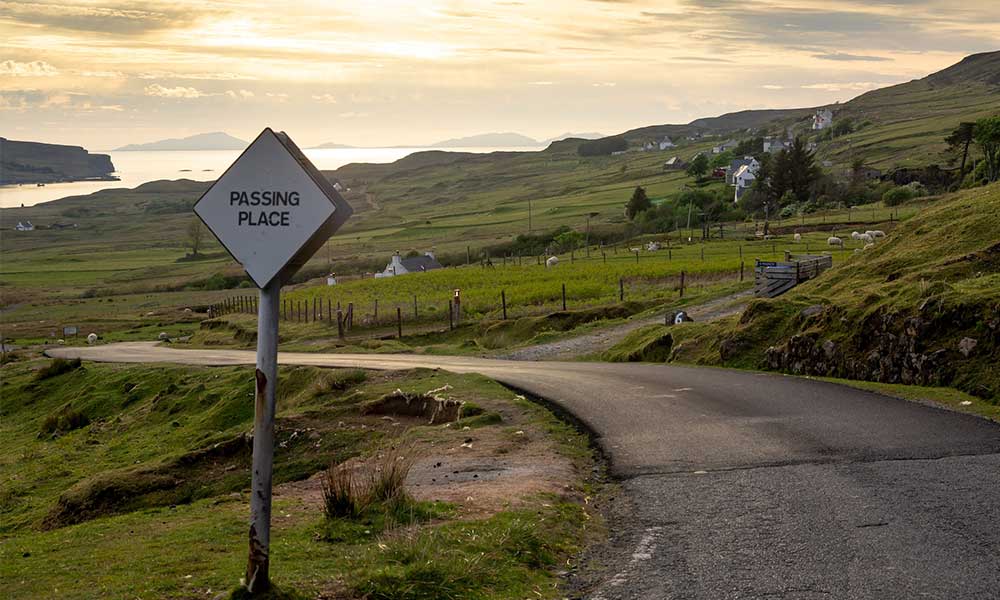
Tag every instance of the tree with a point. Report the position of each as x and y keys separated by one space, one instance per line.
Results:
x=195 y=236
x=960 y=139
x=698 y=167
x=987 y=136
x=570 y=240
x=638 y=203
x=797 y=171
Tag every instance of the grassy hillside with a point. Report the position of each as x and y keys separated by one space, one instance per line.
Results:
x=922 y=307
x=910 y=121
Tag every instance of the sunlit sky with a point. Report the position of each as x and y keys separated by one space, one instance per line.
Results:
x=387 y=72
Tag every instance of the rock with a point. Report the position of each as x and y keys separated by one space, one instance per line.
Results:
x=967 y=345
x=812 y=311
x=163 y=337
x=829 y=349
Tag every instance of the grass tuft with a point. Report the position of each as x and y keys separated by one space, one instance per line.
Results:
x=57 y=367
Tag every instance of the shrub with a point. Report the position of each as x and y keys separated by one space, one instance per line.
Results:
x=58 y=366
x=339 y=381
x=65 y=420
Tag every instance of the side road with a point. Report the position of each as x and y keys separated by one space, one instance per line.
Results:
x=741 y=485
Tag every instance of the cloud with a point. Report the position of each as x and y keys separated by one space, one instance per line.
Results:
x=850 y=57
x=604 y=84
x=174 y=92
x=35 y=68
x=327 y=98
x=107 y=74
x=542 y=83
x=215 y=76
x=239 y=94
x=771 y=86
x=110 y=18
x=853 y=86
x=20 y=99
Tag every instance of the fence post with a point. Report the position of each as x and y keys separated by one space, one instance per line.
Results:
x=741 y=252
x=670 y=253
x=564 y=296
x=329 y=310
x=451 y=314
x=340 y=324
x=636 y=257
x=503 y=302
x=682 y=284
x=414 y=307
x=376 y=311
x=741 y=271
x=468 y=256
x=399 y=322
x=621 y=289
x=702 y=253
x=604 y=255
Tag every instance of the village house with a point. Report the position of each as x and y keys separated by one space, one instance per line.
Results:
x=735 y=166
x=666 y=143
x=414 y=264
x=775 y=145
x=743 y=179
x=675 y=163
x=725 y=146
x=648 y=146
x=822 y=119
x=26 y=226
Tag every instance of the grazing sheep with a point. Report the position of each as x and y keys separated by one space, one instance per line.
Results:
x=869 y=246
x=635 y=250
x=878 y=233
x=834 y=241
x=551 y=261
x=855 y=235
x=652 y=246
x=866 y=238
x=92 y=339
x=797 y=237
x=163 y=337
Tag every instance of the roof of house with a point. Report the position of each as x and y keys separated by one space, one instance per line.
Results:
x=675 y=160
x=420 y=263
x=745 y=169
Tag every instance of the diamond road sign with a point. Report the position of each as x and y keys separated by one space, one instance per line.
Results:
x=272 y=209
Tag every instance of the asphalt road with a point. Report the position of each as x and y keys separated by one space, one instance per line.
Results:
x=745 y=485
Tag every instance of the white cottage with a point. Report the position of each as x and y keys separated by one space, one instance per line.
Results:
x=666 y=143
x=415 y=264
x=743 y=179
x=822 y=119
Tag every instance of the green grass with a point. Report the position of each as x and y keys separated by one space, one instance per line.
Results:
x=149 y=498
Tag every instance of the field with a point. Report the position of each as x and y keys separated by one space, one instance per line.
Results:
x=130 y=481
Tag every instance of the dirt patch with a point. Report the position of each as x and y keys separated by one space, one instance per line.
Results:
x=429 y=406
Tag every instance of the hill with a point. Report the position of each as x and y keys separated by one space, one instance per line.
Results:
x=488 y=140
x=34 y=162
x=905 y=124
x=922 y=307
x=202 y=141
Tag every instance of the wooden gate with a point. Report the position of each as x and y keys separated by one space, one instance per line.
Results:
x=775 y=278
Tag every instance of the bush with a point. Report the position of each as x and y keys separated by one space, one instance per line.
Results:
x=904 y=193
x=57 y=367
x=602 y=146
x=65 y=420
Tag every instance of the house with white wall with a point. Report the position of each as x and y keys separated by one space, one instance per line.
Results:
x=822 y=119
x=414 y=264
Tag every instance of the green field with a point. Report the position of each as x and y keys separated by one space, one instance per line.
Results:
x=131 y=481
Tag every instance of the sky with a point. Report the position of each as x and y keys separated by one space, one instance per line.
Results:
x=388 y=72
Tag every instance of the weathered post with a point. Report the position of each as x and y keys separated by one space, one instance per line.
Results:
x=451 y=314
x=458 y=307
x=703 y=253
x=415 y=315
x=258 y=564
x=468 y=255
x=621 y=289
x=376 y=310
x=399 y=323
x=503 y=303
x=741 y=271
x=564 y=296
x=682 y=284
x=340 y=324
x=636 y=257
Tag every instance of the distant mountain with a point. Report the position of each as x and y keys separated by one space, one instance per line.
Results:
x=203 y=141
x=484 y=140
x=590 y=135
x=333 y=146
x=34 y=162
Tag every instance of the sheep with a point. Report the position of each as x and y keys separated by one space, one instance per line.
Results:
x=551 y=261
x=92 y=339
x=866 y=238
x=163 y=337
x=834 y=241
x=652 y=246
x=635 y=250
x=797 y=237
x=855 y=235
x=878 y=233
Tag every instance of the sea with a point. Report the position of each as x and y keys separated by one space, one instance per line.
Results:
x=138 y=167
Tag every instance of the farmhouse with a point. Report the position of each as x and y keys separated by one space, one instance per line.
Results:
x=775 y=145
x=415 y=264
x=822 y=119
x=676 y=163
x=743 y=179
x=666 y=143
x=723 y=147
x=735 y=166
x=26 y=226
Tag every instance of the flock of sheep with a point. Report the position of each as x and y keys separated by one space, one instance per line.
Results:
x=869 y=237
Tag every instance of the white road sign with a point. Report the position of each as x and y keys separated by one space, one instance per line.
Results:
x=272 y=209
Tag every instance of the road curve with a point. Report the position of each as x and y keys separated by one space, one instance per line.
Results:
x=748 y=485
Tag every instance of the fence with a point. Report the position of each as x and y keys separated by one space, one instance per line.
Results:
x=772 y=279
